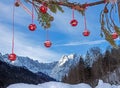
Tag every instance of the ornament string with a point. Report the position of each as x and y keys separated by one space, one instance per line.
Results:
x=47 y=30
x=85 y=23
x=73 y=12
x=32 y=11
x=17 y=0
x=26 y=9
x=47 y=35
x=13 y=24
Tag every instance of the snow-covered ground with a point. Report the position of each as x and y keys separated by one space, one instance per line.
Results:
x=101 y=84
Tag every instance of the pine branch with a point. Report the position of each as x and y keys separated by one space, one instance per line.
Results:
x=77 y=6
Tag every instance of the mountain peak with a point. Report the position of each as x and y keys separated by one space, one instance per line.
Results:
x=63 y=60
x=71 y=56
x=66 y=58
x=64 y=65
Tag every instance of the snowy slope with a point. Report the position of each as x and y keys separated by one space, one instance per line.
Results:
x=30 y=64
x=101 y=84
x=63 y=66
x=49 y=85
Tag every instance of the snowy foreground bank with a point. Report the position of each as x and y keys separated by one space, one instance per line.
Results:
x=62 y=85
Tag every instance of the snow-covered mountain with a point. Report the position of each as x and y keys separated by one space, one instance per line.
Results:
x=30 y=64
x=58 y=69
x=55 y=69
x=63 y=66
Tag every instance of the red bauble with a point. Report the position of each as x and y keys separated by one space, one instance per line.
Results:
x=12 y=57
x=86 y=33
x=32 y=27
x=73 y=22
x=114 y=35
x=47 y=43
x=43 y=9
x=17 y=4
x=60 y=3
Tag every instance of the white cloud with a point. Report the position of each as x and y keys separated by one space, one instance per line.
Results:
x=24 y=46
x=83 y=43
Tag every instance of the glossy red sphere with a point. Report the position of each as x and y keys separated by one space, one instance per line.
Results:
x=32 y=27
x=60 y=3
x=114 y=35
x=47 y=43
x=86 y=33
x=43 y=9
x=74 y=22
x=17 y=4
x=12 y=57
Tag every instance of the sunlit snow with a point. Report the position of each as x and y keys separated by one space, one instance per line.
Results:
x=49 y=85
x=101 y=84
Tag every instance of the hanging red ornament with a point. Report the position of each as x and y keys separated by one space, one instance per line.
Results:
x=17 y=4
x=115 y=35
x=43 y=9
x=12 y=57
x=74 y=22
x=32 y=27
x=47 y=43
x=86 y=33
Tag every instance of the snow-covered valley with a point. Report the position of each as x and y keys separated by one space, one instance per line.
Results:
x=101 y=84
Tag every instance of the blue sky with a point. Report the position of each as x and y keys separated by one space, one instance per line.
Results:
x=65 y=39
